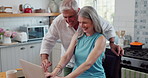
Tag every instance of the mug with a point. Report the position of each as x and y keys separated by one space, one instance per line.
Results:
x=11 y=74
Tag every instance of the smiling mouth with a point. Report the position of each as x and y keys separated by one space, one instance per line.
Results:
x=70 y=22
x=85 y=29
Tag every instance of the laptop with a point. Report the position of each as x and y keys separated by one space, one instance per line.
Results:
x=31 y=70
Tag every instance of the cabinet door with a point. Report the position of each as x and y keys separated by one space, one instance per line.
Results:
x=10 y=56
x=34 y=53
x=0 y=62
x=56 y=56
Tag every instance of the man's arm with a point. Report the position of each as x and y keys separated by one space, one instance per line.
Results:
x=115 y=48
x=44 y=57
x=47 y=44
x=65 y=58
x=109 y=33
x=45 y=63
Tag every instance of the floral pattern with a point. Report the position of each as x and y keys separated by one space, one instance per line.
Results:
x=7 y=33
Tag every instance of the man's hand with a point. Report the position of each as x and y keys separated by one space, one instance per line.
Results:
x=45 y=64
x=117 y=49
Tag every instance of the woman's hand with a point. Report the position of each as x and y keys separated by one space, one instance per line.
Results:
x=51 y=75
x=47 y=74
x=58 y=77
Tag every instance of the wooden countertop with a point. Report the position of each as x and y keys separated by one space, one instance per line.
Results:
x=28 y=14
x=19 y=73
x=2 y=74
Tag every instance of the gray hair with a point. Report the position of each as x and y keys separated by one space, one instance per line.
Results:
x=90 y=13
x=68 y=5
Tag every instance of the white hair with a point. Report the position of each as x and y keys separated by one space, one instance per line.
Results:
x=68 y=5
x=90 y=13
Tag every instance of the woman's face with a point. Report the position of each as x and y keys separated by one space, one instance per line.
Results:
x=86 y=24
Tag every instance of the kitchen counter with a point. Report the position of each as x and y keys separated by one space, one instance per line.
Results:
x=19 y=74
x=2 y=74
x=18 y=44
x=25 y=43
x=28 y=14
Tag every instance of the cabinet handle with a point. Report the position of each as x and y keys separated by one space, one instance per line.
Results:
x=31 y=46
x=22 y=48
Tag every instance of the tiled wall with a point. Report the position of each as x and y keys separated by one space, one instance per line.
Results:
x=141 y=21
x=132 y=16
x=13 y=23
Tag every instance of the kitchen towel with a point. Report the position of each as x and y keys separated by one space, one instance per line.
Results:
x=128 y=73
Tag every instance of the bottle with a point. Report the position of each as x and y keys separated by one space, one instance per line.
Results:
x=21 y=8
x=49 y=10
x=53 y=7
x=2 y=9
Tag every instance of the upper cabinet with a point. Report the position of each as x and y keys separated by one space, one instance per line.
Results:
x=29 y=14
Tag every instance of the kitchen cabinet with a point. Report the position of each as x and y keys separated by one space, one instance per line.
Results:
x=9 y=56
x=56 y=56
x=29 y=14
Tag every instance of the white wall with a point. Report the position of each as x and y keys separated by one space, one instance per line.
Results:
x=13 y=23
x=36 y=4
x=124 y=16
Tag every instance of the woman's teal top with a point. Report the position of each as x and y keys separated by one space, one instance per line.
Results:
x=83 y=48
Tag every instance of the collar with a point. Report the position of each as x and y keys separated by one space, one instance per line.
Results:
x=67 y=24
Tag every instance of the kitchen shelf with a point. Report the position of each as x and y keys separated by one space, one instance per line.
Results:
x=28 y=14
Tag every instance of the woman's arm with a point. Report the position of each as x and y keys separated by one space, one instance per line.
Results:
x=91 y=59
x=67 y=56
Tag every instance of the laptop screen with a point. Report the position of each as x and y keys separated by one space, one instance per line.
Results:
x=31 y=70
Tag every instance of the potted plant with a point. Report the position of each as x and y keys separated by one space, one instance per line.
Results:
x=6 y=35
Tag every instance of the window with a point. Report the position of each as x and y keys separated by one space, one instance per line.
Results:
x=105 y=8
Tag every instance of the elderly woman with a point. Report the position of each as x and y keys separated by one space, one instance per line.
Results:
x=88 y=46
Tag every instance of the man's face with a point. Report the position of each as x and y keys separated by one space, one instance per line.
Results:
x=70 y=17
